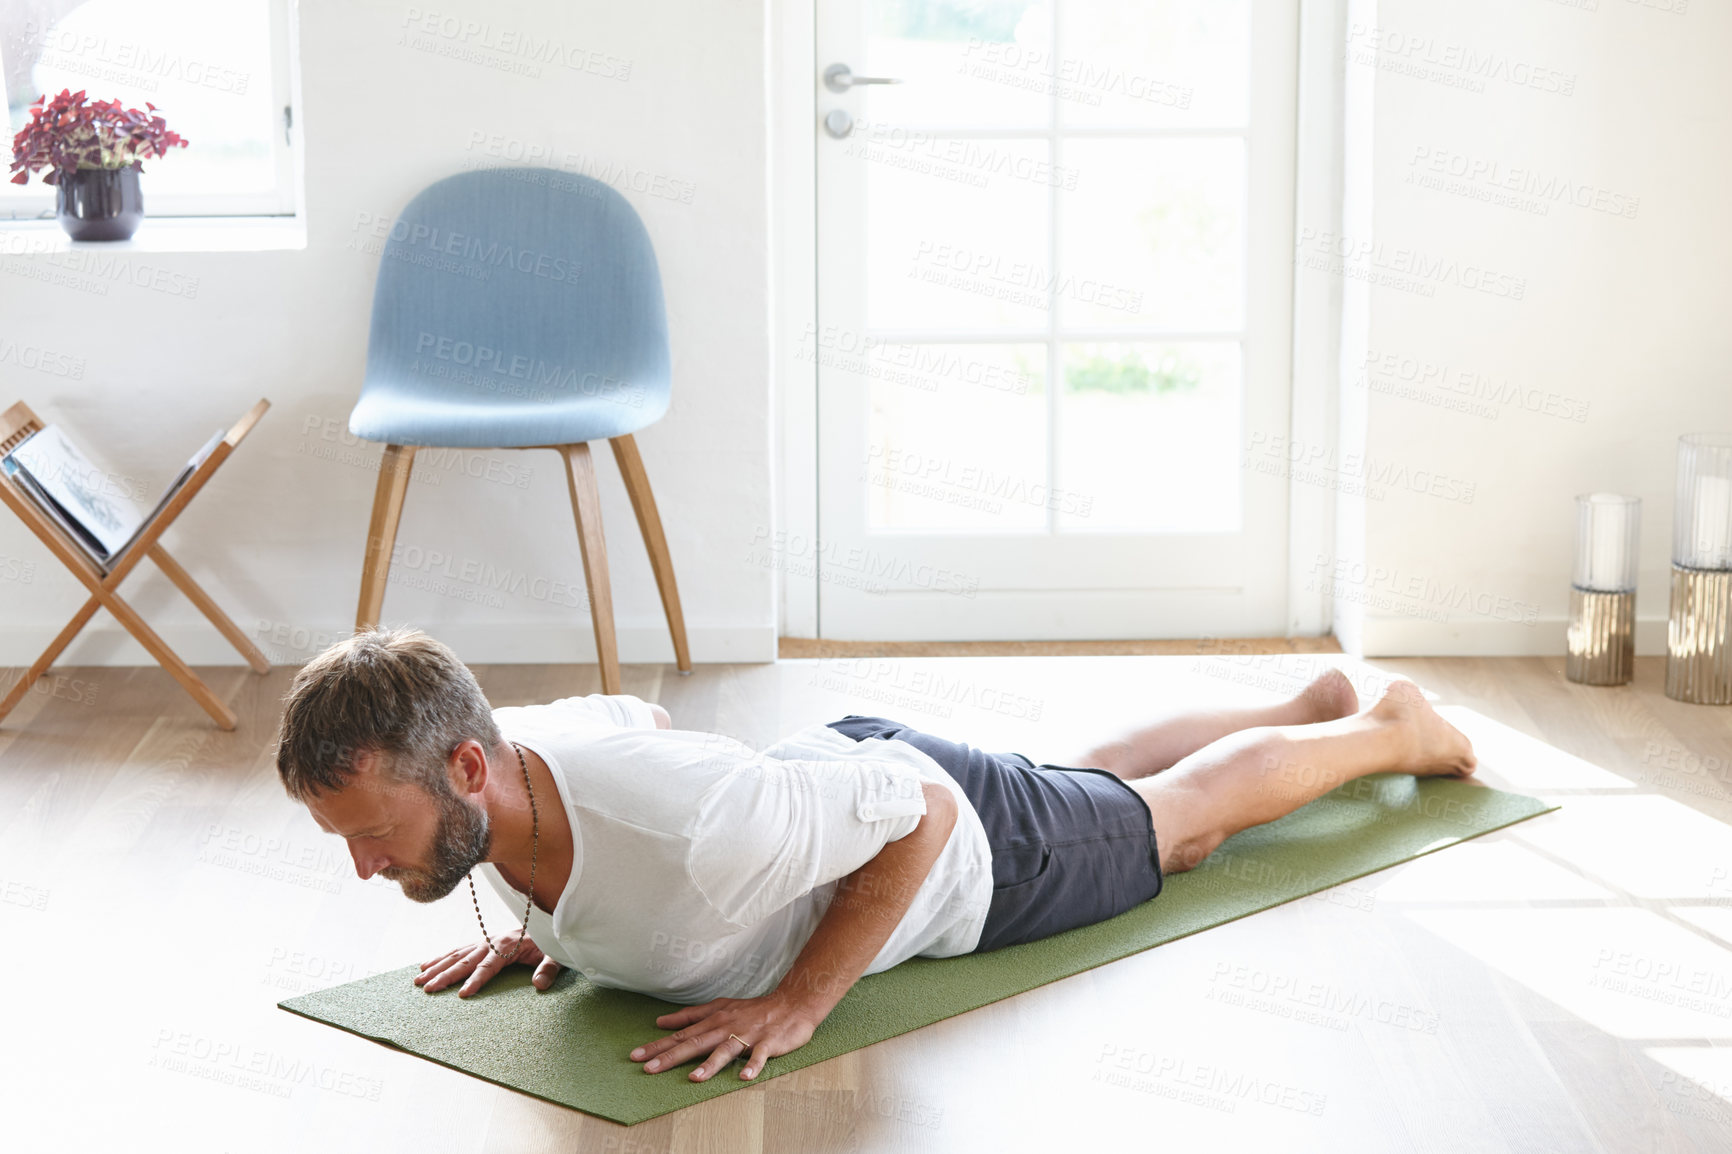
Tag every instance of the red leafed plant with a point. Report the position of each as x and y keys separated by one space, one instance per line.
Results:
x=67 y=133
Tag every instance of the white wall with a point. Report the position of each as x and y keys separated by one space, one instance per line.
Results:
x=1620 y=320
x=1614 y=313
x=278 y=537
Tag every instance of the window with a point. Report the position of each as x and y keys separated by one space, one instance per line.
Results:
x=1084 y=244
x=217 y=70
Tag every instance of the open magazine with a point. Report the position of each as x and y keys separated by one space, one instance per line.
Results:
x=97 y=510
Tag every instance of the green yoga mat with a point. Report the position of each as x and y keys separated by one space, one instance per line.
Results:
x=569 y=1044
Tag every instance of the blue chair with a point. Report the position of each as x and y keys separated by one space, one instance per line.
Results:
x=519 y=308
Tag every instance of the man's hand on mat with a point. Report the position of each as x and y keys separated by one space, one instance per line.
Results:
x=479 y=964
x=773 y=1024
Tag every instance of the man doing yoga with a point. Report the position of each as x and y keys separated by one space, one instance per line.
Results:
x=758 y=887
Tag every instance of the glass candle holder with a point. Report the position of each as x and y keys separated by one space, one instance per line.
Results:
x=1602 y=631
x=1699 y=629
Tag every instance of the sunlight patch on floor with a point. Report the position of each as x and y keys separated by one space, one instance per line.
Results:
x=1649 y=846
x=1629 y=972
x=1487 y=870
x=1717 y=920
x=1696 y=1081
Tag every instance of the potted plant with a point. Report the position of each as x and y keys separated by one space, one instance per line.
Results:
x=93 y=151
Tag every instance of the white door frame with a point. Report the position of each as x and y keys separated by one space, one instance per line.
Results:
x=1317 y=369
x=792 y=116
x=793 y=123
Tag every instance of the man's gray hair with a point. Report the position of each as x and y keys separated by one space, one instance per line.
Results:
x=397 y=693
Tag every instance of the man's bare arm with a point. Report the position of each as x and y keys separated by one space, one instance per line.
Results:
x=868 y=905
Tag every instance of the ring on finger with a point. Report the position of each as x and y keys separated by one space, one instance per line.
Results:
x=747 y=1045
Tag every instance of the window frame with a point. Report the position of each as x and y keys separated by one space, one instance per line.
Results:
x=36 y=201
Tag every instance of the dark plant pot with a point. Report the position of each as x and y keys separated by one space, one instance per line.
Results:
x=100 y=203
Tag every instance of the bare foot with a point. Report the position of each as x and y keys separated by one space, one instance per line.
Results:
x=1435 y=748
x=1329 y=696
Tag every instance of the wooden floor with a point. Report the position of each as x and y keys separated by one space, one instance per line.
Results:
x=795 y=647
x=1563 y=985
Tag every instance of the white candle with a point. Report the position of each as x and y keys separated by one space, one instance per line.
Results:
x=1608 y=526
x=1711 y=521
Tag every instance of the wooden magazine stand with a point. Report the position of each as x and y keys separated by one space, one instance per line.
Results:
x=19 y=422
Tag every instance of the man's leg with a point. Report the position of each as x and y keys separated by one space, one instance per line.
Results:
x=1257 y=775
x=1165 y=743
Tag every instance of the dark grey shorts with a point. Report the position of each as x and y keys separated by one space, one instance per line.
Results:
x=1070 y=847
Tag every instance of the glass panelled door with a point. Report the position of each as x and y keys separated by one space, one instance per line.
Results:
x=1054 y=301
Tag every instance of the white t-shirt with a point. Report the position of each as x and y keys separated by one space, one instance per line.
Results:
x=700 y=867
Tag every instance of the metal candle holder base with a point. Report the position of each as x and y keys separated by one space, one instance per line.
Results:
x=1699 y=637
x=1602 y=637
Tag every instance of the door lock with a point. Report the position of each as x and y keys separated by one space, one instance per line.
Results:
x=838 y=123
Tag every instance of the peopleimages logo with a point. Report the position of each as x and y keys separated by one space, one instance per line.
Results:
x=42 y=360
x=1400 y=267
x=1456 y=65
x=464 y=246
x=477 y=359
x=87 y=54
x=1543 y=188
x=1019 y=282
x=480 y=41
x=1072 y=77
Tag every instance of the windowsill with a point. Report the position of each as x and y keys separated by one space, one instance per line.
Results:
x=164 y=234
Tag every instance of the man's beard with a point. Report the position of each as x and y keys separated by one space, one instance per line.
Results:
x=460 y=840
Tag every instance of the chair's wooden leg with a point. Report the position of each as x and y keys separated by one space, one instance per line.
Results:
x=649 y=523
x=54 y=650
x=586 y=505
x=170 y=660
x=196 y=594
x=394 y=469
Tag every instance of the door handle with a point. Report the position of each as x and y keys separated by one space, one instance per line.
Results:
x=840 y=78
